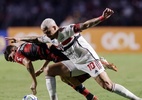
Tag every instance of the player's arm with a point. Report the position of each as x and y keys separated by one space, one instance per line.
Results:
x=31 y=70
x=93 y=22
x=32 y=39
x=41 y=69
x=25 y=39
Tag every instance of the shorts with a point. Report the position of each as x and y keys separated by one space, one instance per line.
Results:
x=71 y=66
x=93 y=68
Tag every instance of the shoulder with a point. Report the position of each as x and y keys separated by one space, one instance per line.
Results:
x=44 y=39
x=74 y=27
x=63 y=28
x=18 y=57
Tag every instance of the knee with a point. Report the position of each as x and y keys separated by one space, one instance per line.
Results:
x=52 y=70
x=108 y=86
x=46 y=71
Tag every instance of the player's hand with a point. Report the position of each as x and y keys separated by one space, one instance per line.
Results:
x=107 y=13
x=112 y=67
x=12 y=39
x=33 y=88
x=108 y=65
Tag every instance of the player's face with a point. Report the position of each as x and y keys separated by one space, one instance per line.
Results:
x=11 y=55
x=50 y=32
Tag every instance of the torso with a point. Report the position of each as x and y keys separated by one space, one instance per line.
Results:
x=38 y=52
x=79 y=51
x=74 y=46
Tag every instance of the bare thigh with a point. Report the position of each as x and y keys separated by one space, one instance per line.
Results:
x=104 y=81
x=71 y=81
x=57 y=69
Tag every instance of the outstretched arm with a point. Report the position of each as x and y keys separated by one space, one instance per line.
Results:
x=31 y=70
x=93 y=22
x=38 y=72
x=25 y=39
x=32 y=39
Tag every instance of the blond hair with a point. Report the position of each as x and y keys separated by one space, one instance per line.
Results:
x=48 y=22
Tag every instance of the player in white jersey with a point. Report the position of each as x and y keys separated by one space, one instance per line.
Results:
x=82 y=55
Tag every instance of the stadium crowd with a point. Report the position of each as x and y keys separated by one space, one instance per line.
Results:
x=32 y=12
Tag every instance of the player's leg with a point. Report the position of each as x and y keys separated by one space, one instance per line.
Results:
x=84 y=91
x=50 y=73
x=63 y=68
x=76 y=85
x=96 y=70
x=51 y=87
x=103 y=80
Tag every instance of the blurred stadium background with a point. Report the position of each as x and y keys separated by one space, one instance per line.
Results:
x=30 y=13
x=118 y=39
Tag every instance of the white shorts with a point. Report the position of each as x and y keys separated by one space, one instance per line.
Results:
x=71 y=66
x=93 y=68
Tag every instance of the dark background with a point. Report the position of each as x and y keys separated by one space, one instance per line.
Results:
x=33 y=12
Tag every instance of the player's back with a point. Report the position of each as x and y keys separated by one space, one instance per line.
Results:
x=33 y=51
x=41 y=51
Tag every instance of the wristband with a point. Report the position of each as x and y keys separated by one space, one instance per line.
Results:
x=101 y=18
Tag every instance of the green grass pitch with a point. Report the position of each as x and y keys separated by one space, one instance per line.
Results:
x=15 y=81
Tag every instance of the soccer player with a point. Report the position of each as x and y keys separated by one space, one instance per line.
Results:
x=28 y=52
x=82 y=55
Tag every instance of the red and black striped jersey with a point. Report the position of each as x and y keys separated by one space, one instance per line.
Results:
x=33 y=52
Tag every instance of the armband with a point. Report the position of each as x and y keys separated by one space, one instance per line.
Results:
x=77 y=28
x=101 y=18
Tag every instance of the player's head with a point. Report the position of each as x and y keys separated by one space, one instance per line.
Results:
x=9 y=53
x=49 y=27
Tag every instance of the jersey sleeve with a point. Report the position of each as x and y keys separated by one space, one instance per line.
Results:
x=77 y=28
x=68 y=31
x=19 y=58
x=44 y=39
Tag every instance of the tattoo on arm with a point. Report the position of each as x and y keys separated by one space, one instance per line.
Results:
x=91 y=23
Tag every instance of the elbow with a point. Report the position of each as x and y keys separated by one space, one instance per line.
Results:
x=86 y=25
x=27 y=64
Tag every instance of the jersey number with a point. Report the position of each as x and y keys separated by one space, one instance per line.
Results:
x=91 y=66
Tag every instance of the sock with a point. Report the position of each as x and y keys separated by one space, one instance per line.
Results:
x=82 y=90
x=51 y=87
x=119 y=89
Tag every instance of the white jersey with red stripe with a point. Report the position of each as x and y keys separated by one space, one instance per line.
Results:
x=83 y=57
x=74 y=46
x=79 y=51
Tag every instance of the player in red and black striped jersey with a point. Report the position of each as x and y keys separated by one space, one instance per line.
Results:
x=41 y=51
x=28 y=52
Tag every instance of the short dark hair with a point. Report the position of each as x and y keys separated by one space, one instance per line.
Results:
x=8 y=51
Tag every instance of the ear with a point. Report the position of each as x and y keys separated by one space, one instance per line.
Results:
x=54 y=27
x=14 y=49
